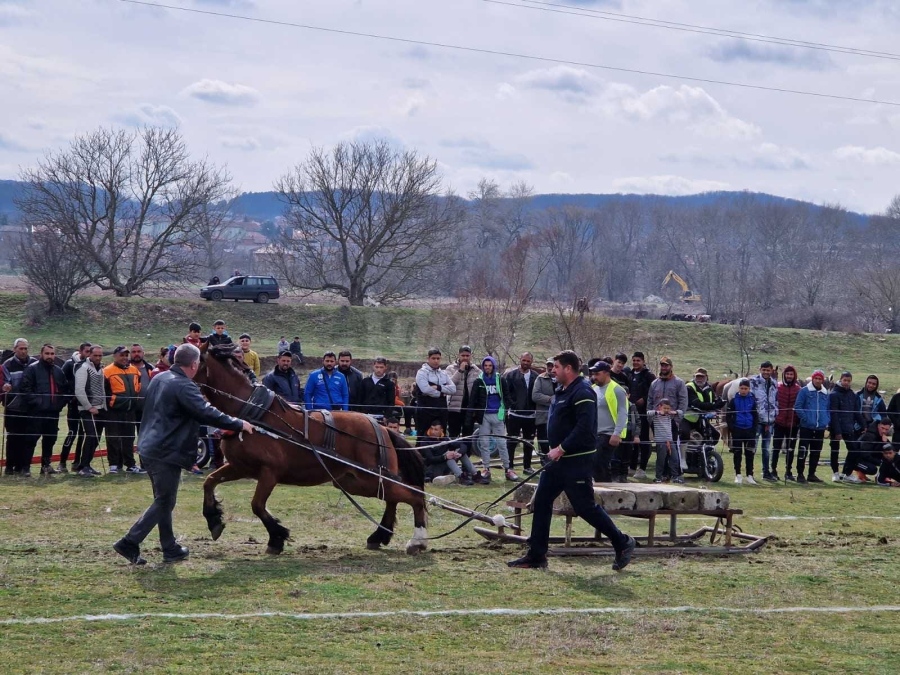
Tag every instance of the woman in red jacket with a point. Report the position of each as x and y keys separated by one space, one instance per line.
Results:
x=787 y=425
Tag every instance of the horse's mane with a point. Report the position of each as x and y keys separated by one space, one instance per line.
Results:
x=221 y=352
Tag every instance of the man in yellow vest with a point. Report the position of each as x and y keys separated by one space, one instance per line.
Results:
x=612 y=419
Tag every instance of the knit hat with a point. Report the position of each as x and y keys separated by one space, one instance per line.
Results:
x=820 y=373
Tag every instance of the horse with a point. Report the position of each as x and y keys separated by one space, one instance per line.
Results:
x=289 y=460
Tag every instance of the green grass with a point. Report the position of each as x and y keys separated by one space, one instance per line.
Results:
x=56 y=561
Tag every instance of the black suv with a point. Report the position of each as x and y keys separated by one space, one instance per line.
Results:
x=257 y=289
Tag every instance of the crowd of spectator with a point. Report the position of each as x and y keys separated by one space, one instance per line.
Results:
x=485 y=411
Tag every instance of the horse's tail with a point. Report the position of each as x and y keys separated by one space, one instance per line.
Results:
x=409 y=461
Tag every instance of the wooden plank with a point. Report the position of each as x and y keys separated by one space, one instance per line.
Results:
x=611 y=499
x=674 y=497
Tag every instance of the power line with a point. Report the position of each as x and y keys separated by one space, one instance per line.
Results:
x=529 y=57
x=694 y=28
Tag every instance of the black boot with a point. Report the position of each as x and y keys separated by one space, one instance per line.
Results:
x=813 y=465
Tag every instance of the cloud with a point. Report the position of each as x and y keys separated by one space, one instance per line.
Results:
x=372 y=133
x=479 y=152
x=247 y=143
x=687 y=105
x=505 y=91
x=764 y=157
x=229 y=4
x=667 y=185
x=412 y=105
x=222 y=93
x=573 y=83
x=148 y=114
x=13 y=14
x=732 y=51
x=879 y=156
x=8 y=144
x=415 y=83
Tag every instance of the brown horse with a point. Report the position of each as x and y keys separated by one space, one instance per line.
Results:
x=272 y=460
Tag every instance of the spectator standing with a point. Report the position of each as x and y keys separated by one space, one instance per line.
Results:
x=668 y=461
x=765 y=389
x=490 y=415
x=787 y=423
x=893 y=412
x=620 y=372
x=162 y=363
x=45 y=393
x=251 y=358
x=146 y=372
x=16 y=418
x=74 y=431
x=433 y=389
x=572 y=434
x=743 y=417
x=641 y=379
x=297 y=350
x=542 y=395
x=612 y=420
x=463 y=374
x=354 y=379
x=846 y=419
x=90 y=396
x=668 y=386
x=220 y=335
x=284 y=381
x=326 y=389
x=284 y=345
x=123 y=386
x=813 y=411
x=518 y=383
x=175 y=409
x=871 y=403
x=377 y=395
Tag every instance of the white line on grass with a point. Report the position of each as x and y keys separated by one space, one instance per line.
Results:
x=499 y=611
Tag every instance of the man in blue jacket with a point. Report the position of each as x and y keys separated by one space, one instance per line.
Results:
x=174 y=409
x=572 y=435
x=283 y=380
x=813 y=412
x=326 y=388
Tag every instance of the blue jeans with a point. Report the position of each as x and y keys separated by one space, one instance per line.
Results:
x=765 y=432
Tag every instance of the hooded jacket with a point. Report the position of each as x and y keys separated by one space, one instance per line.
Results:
x=765 y=389
x=742 y=412
x=846 y=415
x=786 y=396
x=872 y=406
x=812 y=408
x=483 y=390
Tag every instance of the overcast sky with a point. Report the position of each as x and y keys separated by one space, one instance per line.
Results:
x=257 y=96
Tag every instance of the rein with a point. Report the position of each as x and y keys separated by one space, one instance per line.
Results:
x=318 y=451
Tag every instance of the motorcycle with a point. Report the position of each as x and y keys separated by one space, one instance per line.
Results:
x=700 y=453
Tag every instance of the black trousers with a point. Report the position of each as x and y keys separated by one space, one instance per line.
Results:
x=43 y=427
x=743 y=443
x=458 y=426
x=571 y=475
x=74 y=436
x=93 y=428
x=425 y=416
x=524 y=428
x=120 y=438
x=543 y=443
x=165 y=479
x=835 y=454
x=811 y=441
x=784 y=438
x=643 y=450
x=18 y=448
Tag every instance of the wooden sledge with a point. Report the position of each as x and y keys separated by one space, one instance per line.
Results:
x=649 y=502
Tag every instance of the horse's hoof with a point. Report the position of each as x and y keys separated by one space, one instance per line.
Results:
x=216 y=531
x=271 y=550
x=373 y=545
x=415 y=548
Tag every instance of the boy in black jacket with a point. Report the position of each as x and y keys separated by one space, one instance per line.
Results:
x=440 y=462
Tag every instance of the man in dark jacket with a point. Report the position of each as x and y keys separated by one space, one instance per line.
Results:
x=354 y=379
x=16 y=418
x=145 y=369
x=219 y=336
x=377 y=392
x=866 y=460
x=641 y=379
x=45 y=393
x=572 y=435
x=518 y=383
x=75 y=432
x=283 y=380
x=173 y=412
x=846 y=418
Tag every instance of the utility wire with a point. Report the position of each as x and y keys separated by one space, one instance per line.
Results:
x=694 y=28
x=529 y=57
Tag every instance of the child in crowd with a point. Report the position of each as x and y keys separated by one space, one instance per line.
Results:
x=441 y=460
x=889 y=471
x=742 y=417
x=666 y=447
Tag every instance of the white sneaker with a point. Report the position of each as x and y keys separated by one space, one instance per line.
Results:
x=738 y=480
x=837 y=477
x=113 y=468
x=444 y=480
x=640 y=474
x=851 y=479
x=749 y=481
x=135 y=469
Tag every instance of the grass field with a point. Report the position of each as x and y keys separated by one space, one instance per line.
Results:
x=830 y=547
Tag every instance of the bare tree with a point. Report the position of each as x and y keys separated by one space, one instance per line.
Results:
x=52 y=266
x=878 y=282
x=366 y=220
x=126 y=202
x=214 y=233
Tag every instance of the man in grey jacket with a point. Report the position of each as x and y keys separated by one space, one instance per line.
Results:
x=668 y=386
x=764 y=388
x=90 y=396
x=542 y=395
x=174 y=409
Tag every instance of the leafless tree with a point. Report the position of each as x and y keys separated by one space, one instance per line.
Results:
x=366 y=220
x=877 y=281
x=214 y=233
x=126 y=202
x=54 y=268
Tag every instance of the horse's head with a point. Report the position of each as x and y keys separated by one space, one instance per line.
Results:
x=220 y=368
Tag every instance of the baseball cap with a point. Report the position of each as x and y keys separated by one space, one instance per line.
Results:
x=702 y=371
x=600 y=367
x=666 y=360
x=120 y=349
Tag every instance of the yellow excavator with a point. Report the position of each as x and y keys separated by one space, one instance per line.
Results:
x=687 y=295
